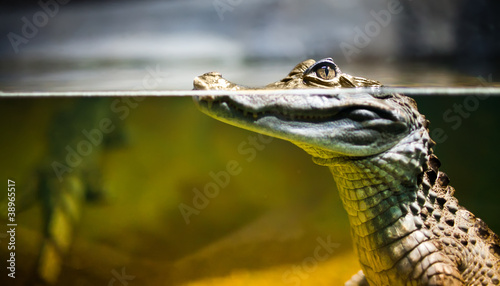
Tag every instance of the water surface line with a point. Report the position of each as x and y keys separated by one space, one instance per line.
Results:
x=414 y=91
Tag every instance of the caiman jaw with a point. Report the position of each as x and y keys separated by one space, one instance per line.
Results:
x=345 y=123
x=213 y=105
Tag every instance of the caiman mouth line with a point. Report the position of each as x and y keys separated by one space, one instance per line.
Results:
x=356 y=112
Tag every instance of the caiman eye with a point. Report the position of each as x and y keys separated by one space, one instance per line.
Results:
x=325 y=72
x=324 y=69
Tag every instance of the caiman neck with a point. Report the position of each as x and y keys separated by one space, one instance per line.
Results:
x=377 y=191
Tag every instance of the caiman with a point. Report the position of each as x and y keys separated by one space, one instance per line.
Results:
x=406 y=225
x=69 y=176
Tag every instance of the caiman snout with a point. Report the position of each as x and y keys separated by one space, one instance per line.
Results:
x=206 y=81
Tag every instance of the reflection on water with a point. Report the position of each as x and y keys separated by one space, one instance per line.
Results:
x=168 y=75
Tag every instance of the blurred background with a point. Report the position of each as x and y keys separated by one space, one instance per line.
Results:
x=74 y=44
x=264 y=225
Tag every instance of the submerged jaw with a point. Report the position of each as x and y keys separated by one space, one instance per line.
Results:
x=354 y=124
x=301 y=108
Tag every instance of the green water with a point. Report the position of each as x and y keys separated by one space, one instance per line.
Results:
x=262 y=222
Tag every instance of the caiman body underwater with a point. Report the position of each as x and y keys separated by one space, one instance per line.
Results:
x=406 y=225
x=67 y=178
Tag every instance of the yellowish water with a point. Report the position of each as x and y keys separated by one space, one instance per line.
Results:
x=263 y=227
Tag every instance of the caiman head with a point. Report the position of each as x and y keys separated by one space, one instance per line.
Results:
x=355 y=124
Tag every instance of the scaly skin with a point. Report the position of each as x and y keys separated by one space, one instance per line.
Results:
x=407 y=227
